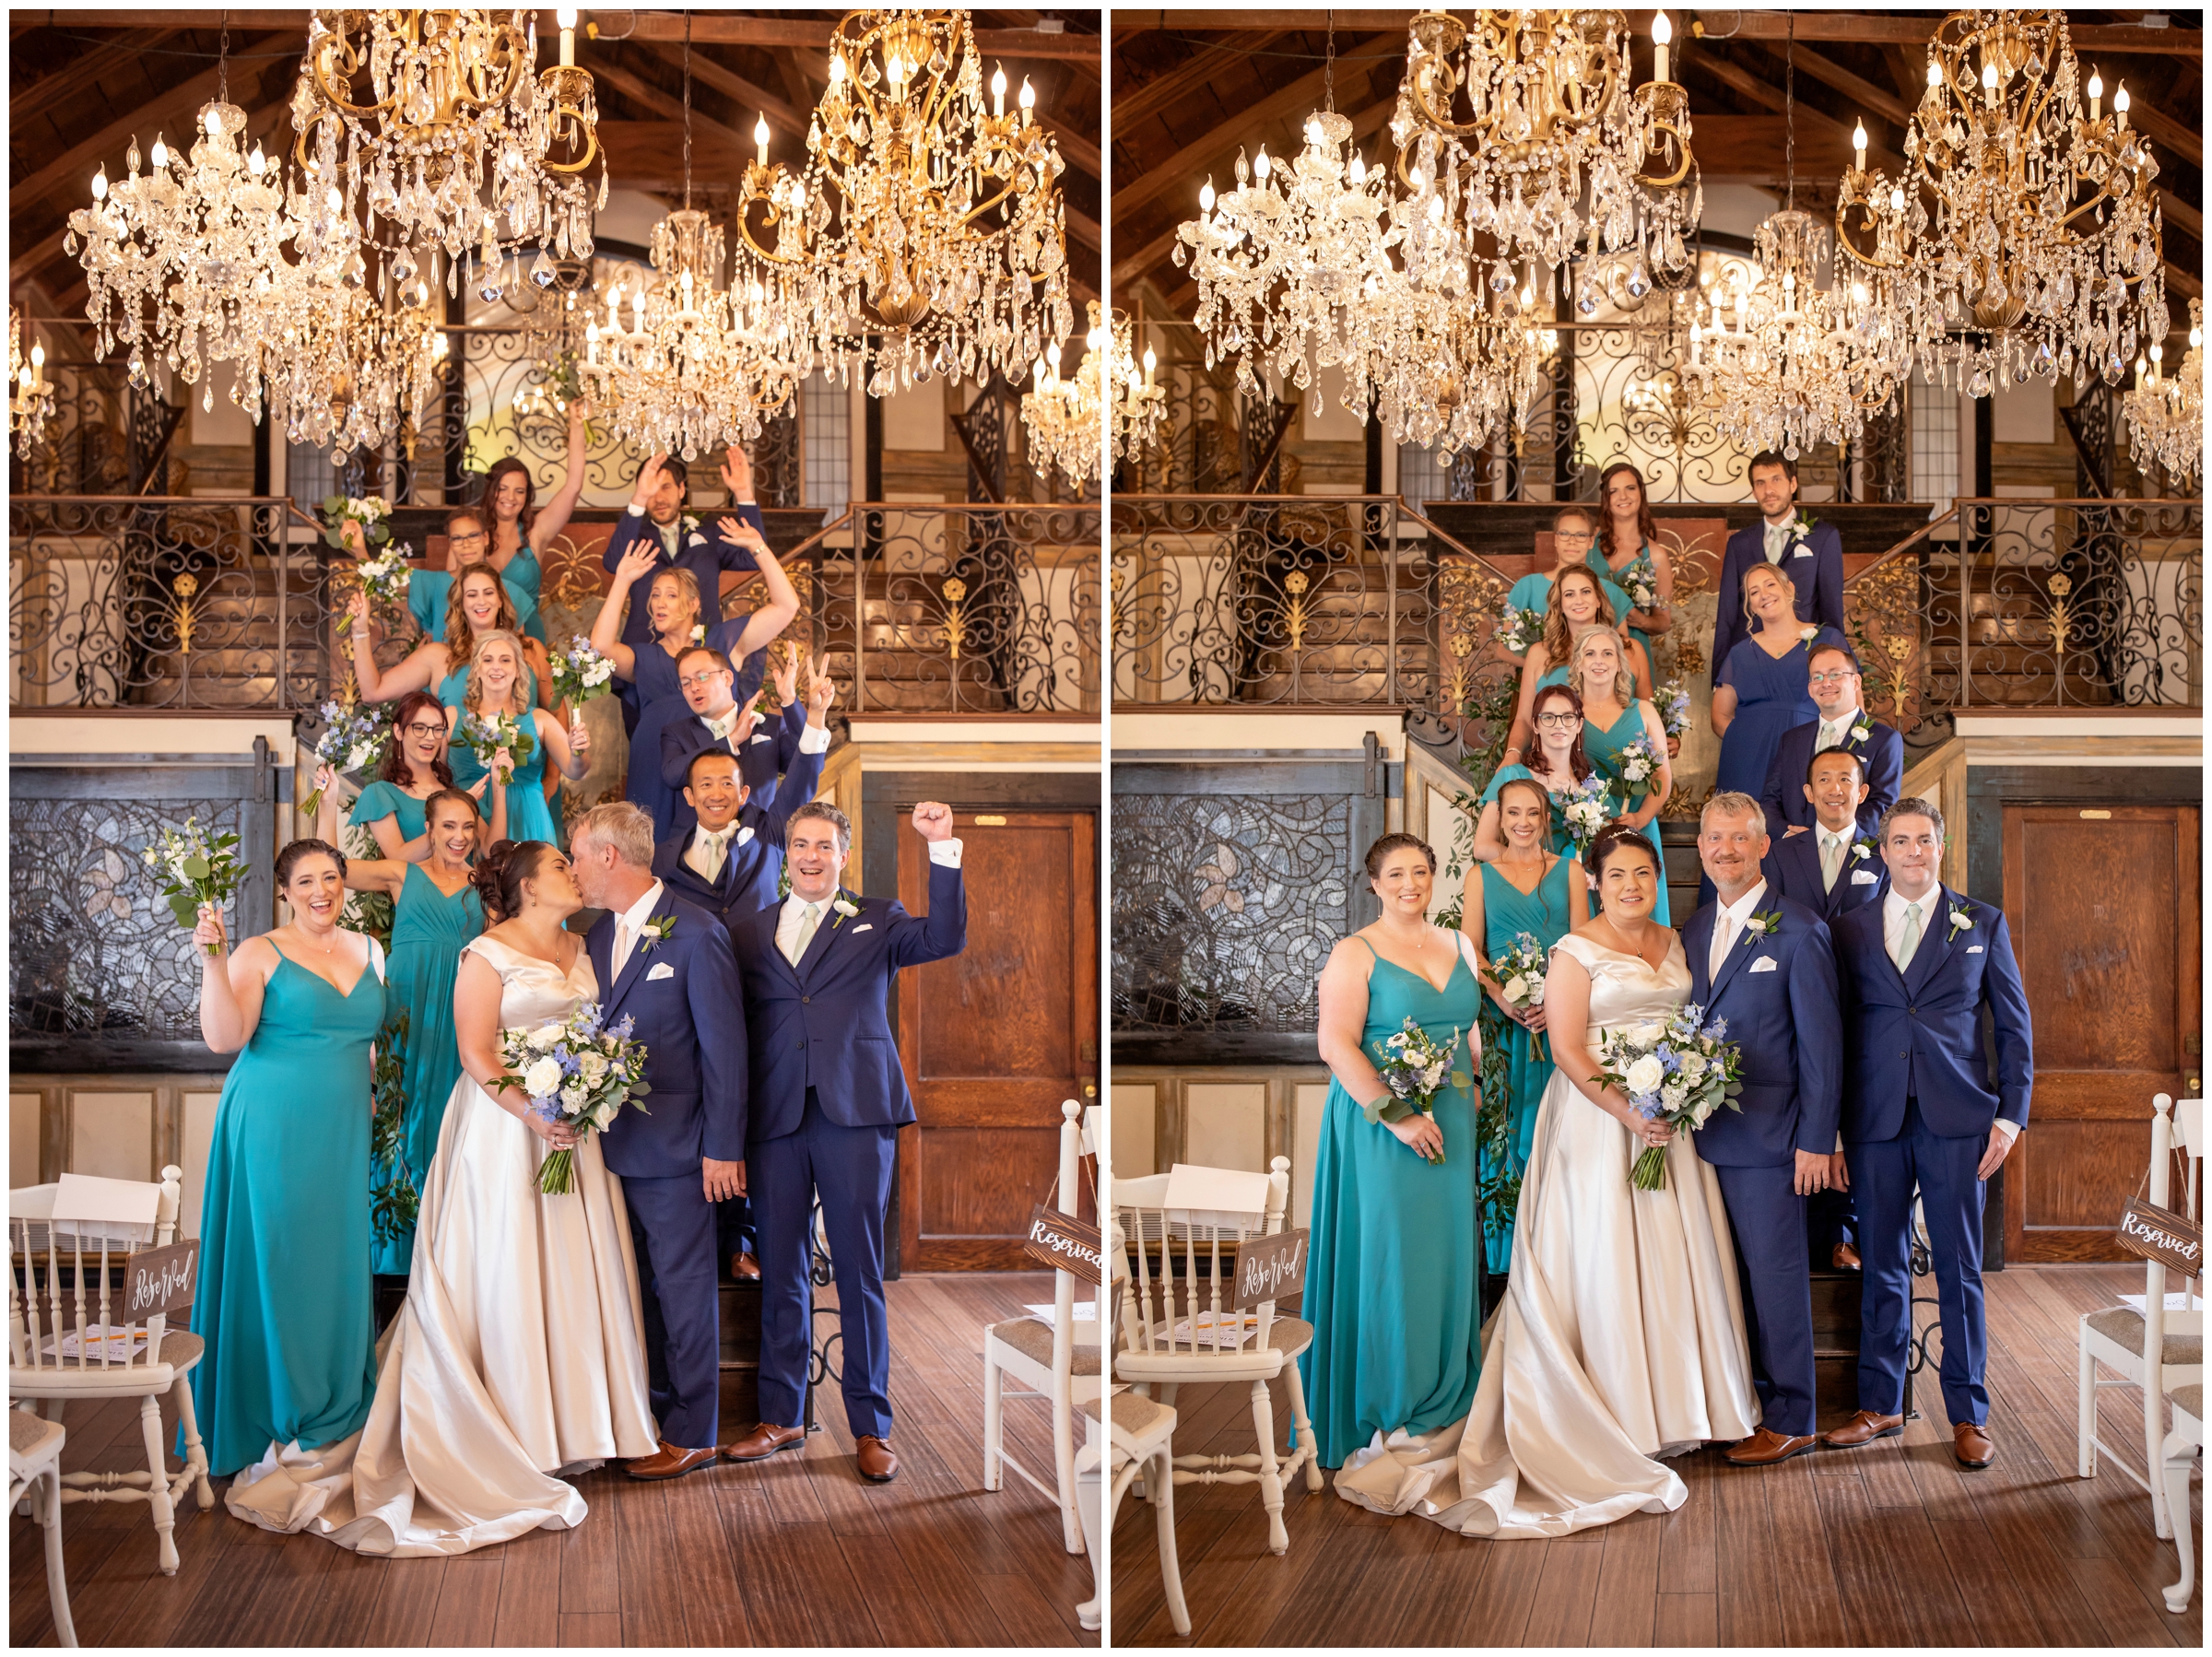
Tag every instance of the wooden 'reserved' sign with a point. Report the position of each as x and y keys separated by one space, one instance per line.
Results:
x=1063 y=1241
x=2151 y=1232
x=1270 y=1268
x=160 y=1280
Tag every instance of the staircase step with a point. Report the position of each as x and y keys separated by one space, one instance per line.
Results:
x=740 y=1325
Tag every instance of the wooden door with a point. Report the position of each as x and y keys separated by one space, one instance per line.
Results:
x=2103 y=906
x=994 y=1040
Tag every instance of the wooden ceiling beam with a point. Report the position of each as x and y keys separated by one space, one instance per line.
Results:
x=50 y=92
x=1853 y=86
x=734 y=28
x=1914 y=28
x=731 y=85
x=1219 y=144
x=1155 y=95
x=2162 y=128
x=2179 y=212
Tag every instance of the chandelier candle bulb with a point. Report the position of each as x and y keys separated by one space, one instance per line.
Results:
x=2096 y=96
x=998 y=93
x=1662 y=32
x=566 y=17
x=760 y=137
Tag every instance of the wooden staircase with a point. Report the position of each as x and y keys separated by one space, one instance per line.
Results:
x=1835 y=1344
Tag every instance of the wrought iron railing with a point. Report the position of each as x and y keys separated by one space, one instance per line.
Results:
x=163 y=602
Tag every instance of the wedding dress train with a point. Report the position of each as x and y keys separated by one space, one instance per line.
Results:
x=520 y=1352
x=1620 y=1340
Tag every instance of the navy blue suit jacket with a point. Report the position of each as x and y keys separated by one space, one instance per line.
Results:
x=750 y=872
x=1881 y=753
x=1793 y=869
x=683 y=992
x=823 y=1023
x=1815 y=565
x=1790 y=1026
x=704 y=551
x=771 y=749
x=1919 y=1033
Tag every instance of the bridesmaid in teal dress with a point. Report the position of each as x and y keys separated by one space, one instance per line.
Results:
x=1530 y=889
x=1625 y=550
x=1576 y=607
x=479 y=603
x=1612 y=719
x=284 y=1302
x=493 y=689
x=517 y=523
x=435 y=913
x=390 y=805
x=1391 y=1282
x=1560 y=765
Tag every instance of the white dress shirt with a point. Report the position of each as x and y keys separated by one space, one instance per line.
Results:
x=945 y=853
x=1727 y=924
x=1932 y=909
x=710 y=849
x=670 y=533
x=720 y=725
x=628 y=926
x=1832 y=732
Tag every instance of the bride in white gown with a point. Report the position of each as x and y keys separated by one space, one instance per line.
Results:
x=519 y=1353
x=1620 y=1340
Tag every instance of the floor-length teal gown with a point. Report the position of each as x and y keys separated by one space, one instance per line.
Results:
x=429 y=932
x=1391 y=1282
x=1509 y=1048
x=284 y=1301
x=528 y=815
x=1604 y=748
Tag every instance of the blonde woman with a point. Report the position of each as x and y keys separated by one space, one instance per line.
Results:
x=1614 y=716
x=494 y=688
x=1575 y=606
x=1760 y=691
x=479 y=603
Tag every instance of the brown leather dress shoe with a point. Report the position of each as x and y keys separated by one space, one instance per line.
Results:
x=764 y=1441
x=1971 y=1444
x=1766 y=1447
x=877 y=1465
x=745 y=1268
x=668 y=1461
x=1845 y=1258
x=1864 y=1428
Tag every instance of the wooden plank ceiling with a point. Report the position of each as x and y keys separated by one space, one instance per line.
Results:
x=82 y=84
x=1193 y=87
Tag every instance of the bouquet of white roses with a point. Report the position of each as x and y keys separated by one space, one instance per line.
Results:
x=580 y=672
x=1414 y=1066
x=1585 y=808
x=1638 y=762
x=1518 y=629
x=1642 y=586
x=385 y=577
x=203 y=869
x=1674 y=708
x=1518 y=968
x=579 y=1072
x=353 y=739
x=1678 y=1073
x=499 y=741
x=373 y=512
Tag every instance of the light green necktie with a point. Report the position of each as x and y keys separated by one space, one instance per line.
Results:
x=798 y=944
x=1910 y=941
x=1831 y=859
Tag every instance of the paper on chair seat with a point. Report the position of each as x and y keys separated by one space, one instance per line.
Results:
x=2176 y=1300
x=1087 y=1311
x=117 y=1345
x=1235 y=1330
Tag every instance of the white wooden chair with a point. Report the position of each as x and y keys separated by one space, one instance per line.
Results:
x=1048 y=1363
x=66 y=1343
x=34 y=1469
x=2184 y=1448
x=1167 y=1345
x=2156 y=1349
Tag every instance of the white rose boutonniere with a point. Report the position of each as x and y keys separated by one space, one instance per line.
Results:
x=654 y=930
x=1764 y=923
x=1801 y=527
x=1807 y=633
x=844 y=908
x=699 y=635
x=1960 y=922
x=690 y=522
x=1863 y=729
x=1860 y=851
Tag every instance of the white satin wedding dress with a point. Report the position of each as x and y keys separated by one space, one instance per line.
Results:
x=519 y=1353
x=1620 y=1339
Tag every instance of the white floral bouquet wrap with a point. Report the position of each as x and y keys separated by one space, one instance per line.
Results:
x=580 y=672
x=580 y=1072
x=498 y=742
x=203 y=868
x=1518 y=629
x=354 y=739
x=1643 y=587
x=1678 y=1073
x=1520 y=969
x=1414 y=1066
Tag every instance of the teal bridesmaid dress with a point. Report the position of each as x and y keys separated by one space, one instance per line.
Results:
x=453 y=689
x=1508 y=1051
x=1390 y=1281
x=1534 y=593
x=284 y=1301
x=429 y=932
x=528 y=815
x=1562 y=842
x=1640 y=567
x=429 y=591
x=381 y=799
x=1604 y=749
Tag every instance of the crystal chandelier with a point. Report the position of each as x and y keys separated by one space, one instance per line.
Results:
x=1136 y=407
x=2024 y=236
x=341 y=368
x=30 y=394
x=458 y=129
x=699 y=365
x=1454 y=377
x=926 y=236
x=2166 y=417
x=1062 y=415
x=1551 y=115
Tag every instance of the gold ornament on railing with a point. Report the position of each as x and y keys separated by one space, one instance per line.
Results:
x=956 y=629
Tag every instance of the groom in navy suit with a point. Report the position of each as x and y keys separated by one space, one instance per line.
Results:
x=1765 y=965
x=1836 y=866
x=830 y=1098
x=1920 y=971
x=1812 y=559
x=667 y=965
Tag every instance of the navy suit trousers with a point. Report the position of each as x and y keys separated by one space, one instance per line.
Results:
x=672 y=1228
x=1883 y=1176
x=1778 y=1295
x=852 y=1168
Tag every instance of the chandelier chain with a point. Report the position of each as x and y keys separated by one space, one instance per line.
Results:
x=687 y=110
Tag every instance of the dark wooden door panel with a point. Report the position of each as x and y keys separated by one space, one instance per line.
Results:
x=996 y=1038
x=2105 y=920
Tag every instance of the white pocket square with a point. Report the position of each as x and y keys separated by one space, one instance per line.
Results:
x=662 y=970
x=1973 y=949
x=696 y=540
x=1803 y=551
x=864 y=927
x=1764 y=964
x=1864 y=877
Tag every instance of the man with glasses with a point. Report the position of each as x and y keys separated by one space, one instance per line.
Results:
x=718 y=722
x=1833 y=678
x=1574 y=533
x=466 y=543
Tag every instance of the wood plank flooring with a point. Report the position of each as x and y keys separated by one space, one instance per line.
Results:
x=794 y=1551
x=1894 y=1544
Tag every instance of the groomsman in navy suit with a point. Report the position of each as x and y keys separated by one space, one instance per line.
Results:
x=1836 y=866
x=720 y=721
x=1764 y=964
x=1813 y=561
x=1833 y=673
x=1918 y=972
x=667 y=965
x=830 y=1098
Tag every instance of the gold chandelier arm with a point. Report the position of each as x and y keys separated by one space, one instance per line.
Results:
x=591 y=144
x=338 y=96
x=1689 y=160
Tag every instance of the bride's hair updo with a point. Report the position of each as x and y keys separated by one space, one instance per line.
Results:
x=499 y=874
x=1612 y=838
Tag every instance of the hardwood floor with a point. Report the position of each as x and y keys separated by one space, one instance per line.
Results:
x=794 y=1551
x=1893 y=1545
